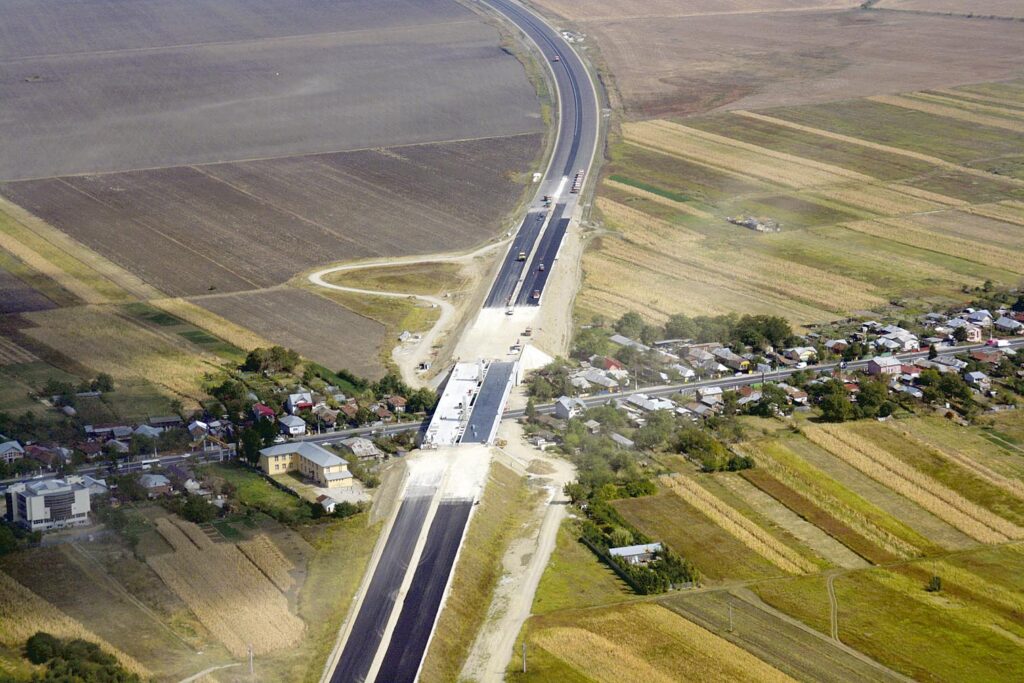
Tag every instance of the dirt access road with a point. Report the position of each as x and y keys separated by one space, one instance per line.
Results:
x=408 y=359
x=524 y=561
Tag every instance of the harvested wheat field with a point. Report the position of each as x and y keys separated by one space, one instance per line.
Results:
x=873 y=202
x=227 y=591
x=23 y=613
x=106 y=340
x=667 y=58
x=640 y=642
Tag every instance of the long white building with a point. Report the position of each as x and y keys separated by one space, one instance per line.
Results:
x=48 y=504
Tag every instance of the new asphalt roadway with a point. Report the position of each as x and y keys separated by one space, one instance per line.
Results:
x=422 y=602
x=578 y=129
x=487 y=409
x=365 y=637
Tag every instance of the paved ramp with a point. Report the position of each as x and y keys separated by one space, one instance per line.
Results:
x=490 y=403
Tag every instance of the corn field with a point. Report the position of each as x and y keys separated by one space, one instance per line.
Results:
x=194 y=534
x=944 y=503
x=23 y=613
x=269 y=559
x=1014 y=487
x=745 y=530
x=231 y=597
x=174 y=535
x=853 y=518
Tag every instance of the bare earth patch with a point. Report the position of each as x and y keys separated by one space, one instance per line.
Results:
x=312 y=325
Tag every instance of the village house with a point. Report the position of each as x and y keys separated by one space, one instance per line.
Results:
x=361 y=447
x=312 y=461
x=396 y=404
x=972 y=332
x=622 y=441
x=292 y=425
x=10 y=451
x=1009 y=325
x=731 y=360
x=148 y=431
x=325 y=415
x=567 y=407
x=837 y=345
x=301 y=400
x=884 y=365
x=197 y=429
x=156 y=485
x=978 y=380
x=685 y=373
x=801 y=354
x=637 y=554
x=982 y=317
x=263 y=412
x=327 y=503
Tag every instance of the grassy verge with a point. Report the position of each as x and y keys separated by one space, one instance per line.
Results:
x=928 y=636
x=342 y=551
x=506 y=502
x=717 y=554
x=256 y=492
x=575 y=578
x=414 y=278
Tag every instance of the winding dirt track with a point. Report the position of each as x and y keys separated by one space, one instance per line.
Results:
x=445 y=322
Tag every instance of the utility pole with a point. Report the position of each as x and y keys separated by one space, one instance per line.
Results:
x=250 y=660
x=524 y=655
x=730 y=618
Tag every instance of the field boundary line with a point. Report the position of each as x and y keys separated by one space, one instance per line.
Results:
x=208 y=670
x=751 y=598
x=123 y=592
x=968 y=96
x=948 y=112
x=249 y=160
x=978 y=107
x=266 y=202
x=874 y=145
x=833 y=605
x=657 y=199
x=765 y=151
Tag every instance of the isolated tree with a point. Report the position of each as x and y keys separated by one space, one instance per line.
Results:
x=835 y=407
x=251 y=441
x=934 y=584
x=933 y=352
x=630 y=325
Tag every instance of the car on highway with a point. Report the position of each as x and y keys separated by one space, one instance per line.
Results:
x=536 y=294
x=541 y=269
x=556 y=58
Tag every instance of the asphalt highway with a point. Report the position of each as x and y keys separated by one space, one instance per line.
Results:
x=422 y=602
x=578 y=128
x=368 y=629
